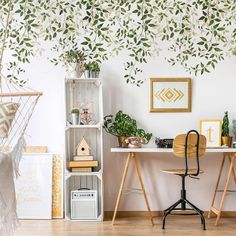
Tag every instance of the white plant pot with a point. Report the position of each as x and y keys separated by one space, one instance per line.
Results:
x=75 y=118
x=87 y=74
x=80 y=69
x=71 y=70
x=94 y=74
x=74 y=70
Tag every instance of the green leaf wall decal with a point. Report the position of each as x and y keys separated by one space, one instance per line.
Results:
x=199 y=33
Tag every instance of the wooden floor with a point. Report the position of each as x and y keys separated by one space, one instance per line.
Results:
x=176 y=226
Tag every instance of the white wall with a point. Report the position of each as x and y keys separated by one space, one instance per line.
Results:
x=47 y=124
x=211 y=96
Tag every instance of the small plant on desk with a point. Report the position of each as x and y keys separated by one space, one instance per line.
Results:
x=226 y=139
x=123 y=126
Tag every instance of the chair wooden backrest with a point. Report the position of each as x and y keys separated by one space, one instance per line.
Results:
x=180 y=141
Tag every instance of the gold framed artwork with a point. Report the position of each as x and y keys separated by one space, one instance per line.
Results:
x=170 y=95
x=212 y=130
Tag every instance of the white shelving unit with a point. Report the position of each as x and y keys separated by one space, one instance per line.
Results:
x=78 y=91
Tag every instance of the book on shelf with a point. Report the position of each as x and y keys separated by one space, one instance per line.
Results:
x=72 y=164
x=81 y=169
x=83 y=158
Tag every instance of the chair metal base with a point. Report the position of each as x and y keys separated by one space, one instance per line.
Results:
x=183 y=202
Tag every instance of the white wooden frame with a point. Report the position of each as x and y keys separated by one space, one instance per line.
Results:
x=28 y=193
x=72 y=179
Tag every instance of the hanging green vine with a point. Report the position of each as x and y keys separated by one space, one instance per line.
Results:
x=198 y=33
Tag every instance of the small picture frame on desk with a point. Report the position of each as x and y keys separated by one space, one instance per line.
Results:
x=212 y=130
x=170 y=95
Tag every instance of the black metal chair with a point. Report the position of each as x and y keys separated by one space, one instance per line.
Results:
x=190 y=145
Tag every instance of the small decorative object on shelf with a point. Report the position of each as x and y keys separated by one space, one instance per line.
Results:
x=164 y=143
x=82 y=198
x=82 y=166
x=134 y=142
x=92 y=70
x=123 y=126
x=87 y=118
x=74 y=61
x=83 y=149
x=226 y=139
x=73 y=164
x=75 y=116
x=83 y=161
x=83 y=158
x=81 y=169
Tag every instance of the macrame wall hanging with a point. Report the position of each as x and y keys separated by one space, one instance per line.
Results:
x=17 y=104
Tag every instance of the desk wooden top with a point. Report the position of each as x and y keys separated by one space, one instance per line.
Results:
x=168 y=150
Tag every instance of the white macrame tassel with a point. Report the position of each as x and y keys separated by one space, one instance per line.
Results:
x=10 y=163
x=16 y=155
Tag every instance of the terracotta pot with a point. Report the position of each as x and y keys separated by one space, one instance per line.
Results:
x=226 y=140
x=121 y=141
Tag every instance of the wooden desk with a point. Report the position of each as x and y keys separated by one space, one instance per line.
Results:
x=131 y=154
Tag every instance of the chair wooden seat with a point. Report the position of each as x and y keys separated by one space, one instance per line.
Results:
x=181 y=171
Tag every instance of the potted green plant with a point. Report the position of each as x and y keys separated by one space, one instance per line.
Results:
x=74 y=61
x=75 y=116
x=92 y=69
x=87 y=67
x=95 y=70
x=226 y=139
x=123 y=126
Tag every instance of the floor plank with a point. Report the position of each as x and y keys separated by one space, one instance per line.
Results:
x=139 y=226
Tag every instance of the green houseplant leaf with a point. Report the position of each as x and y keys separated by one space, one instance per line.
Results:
x=225 y=125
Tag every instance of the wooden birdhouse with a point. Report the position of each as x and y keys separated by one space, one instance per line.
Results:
x=83 y=148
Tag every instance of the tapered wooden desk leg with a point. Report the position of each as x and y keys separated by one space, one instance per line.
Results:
x=121 y=187
x=233 y=171
x=225 y=190
x=217 y=185
x=142 y=186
